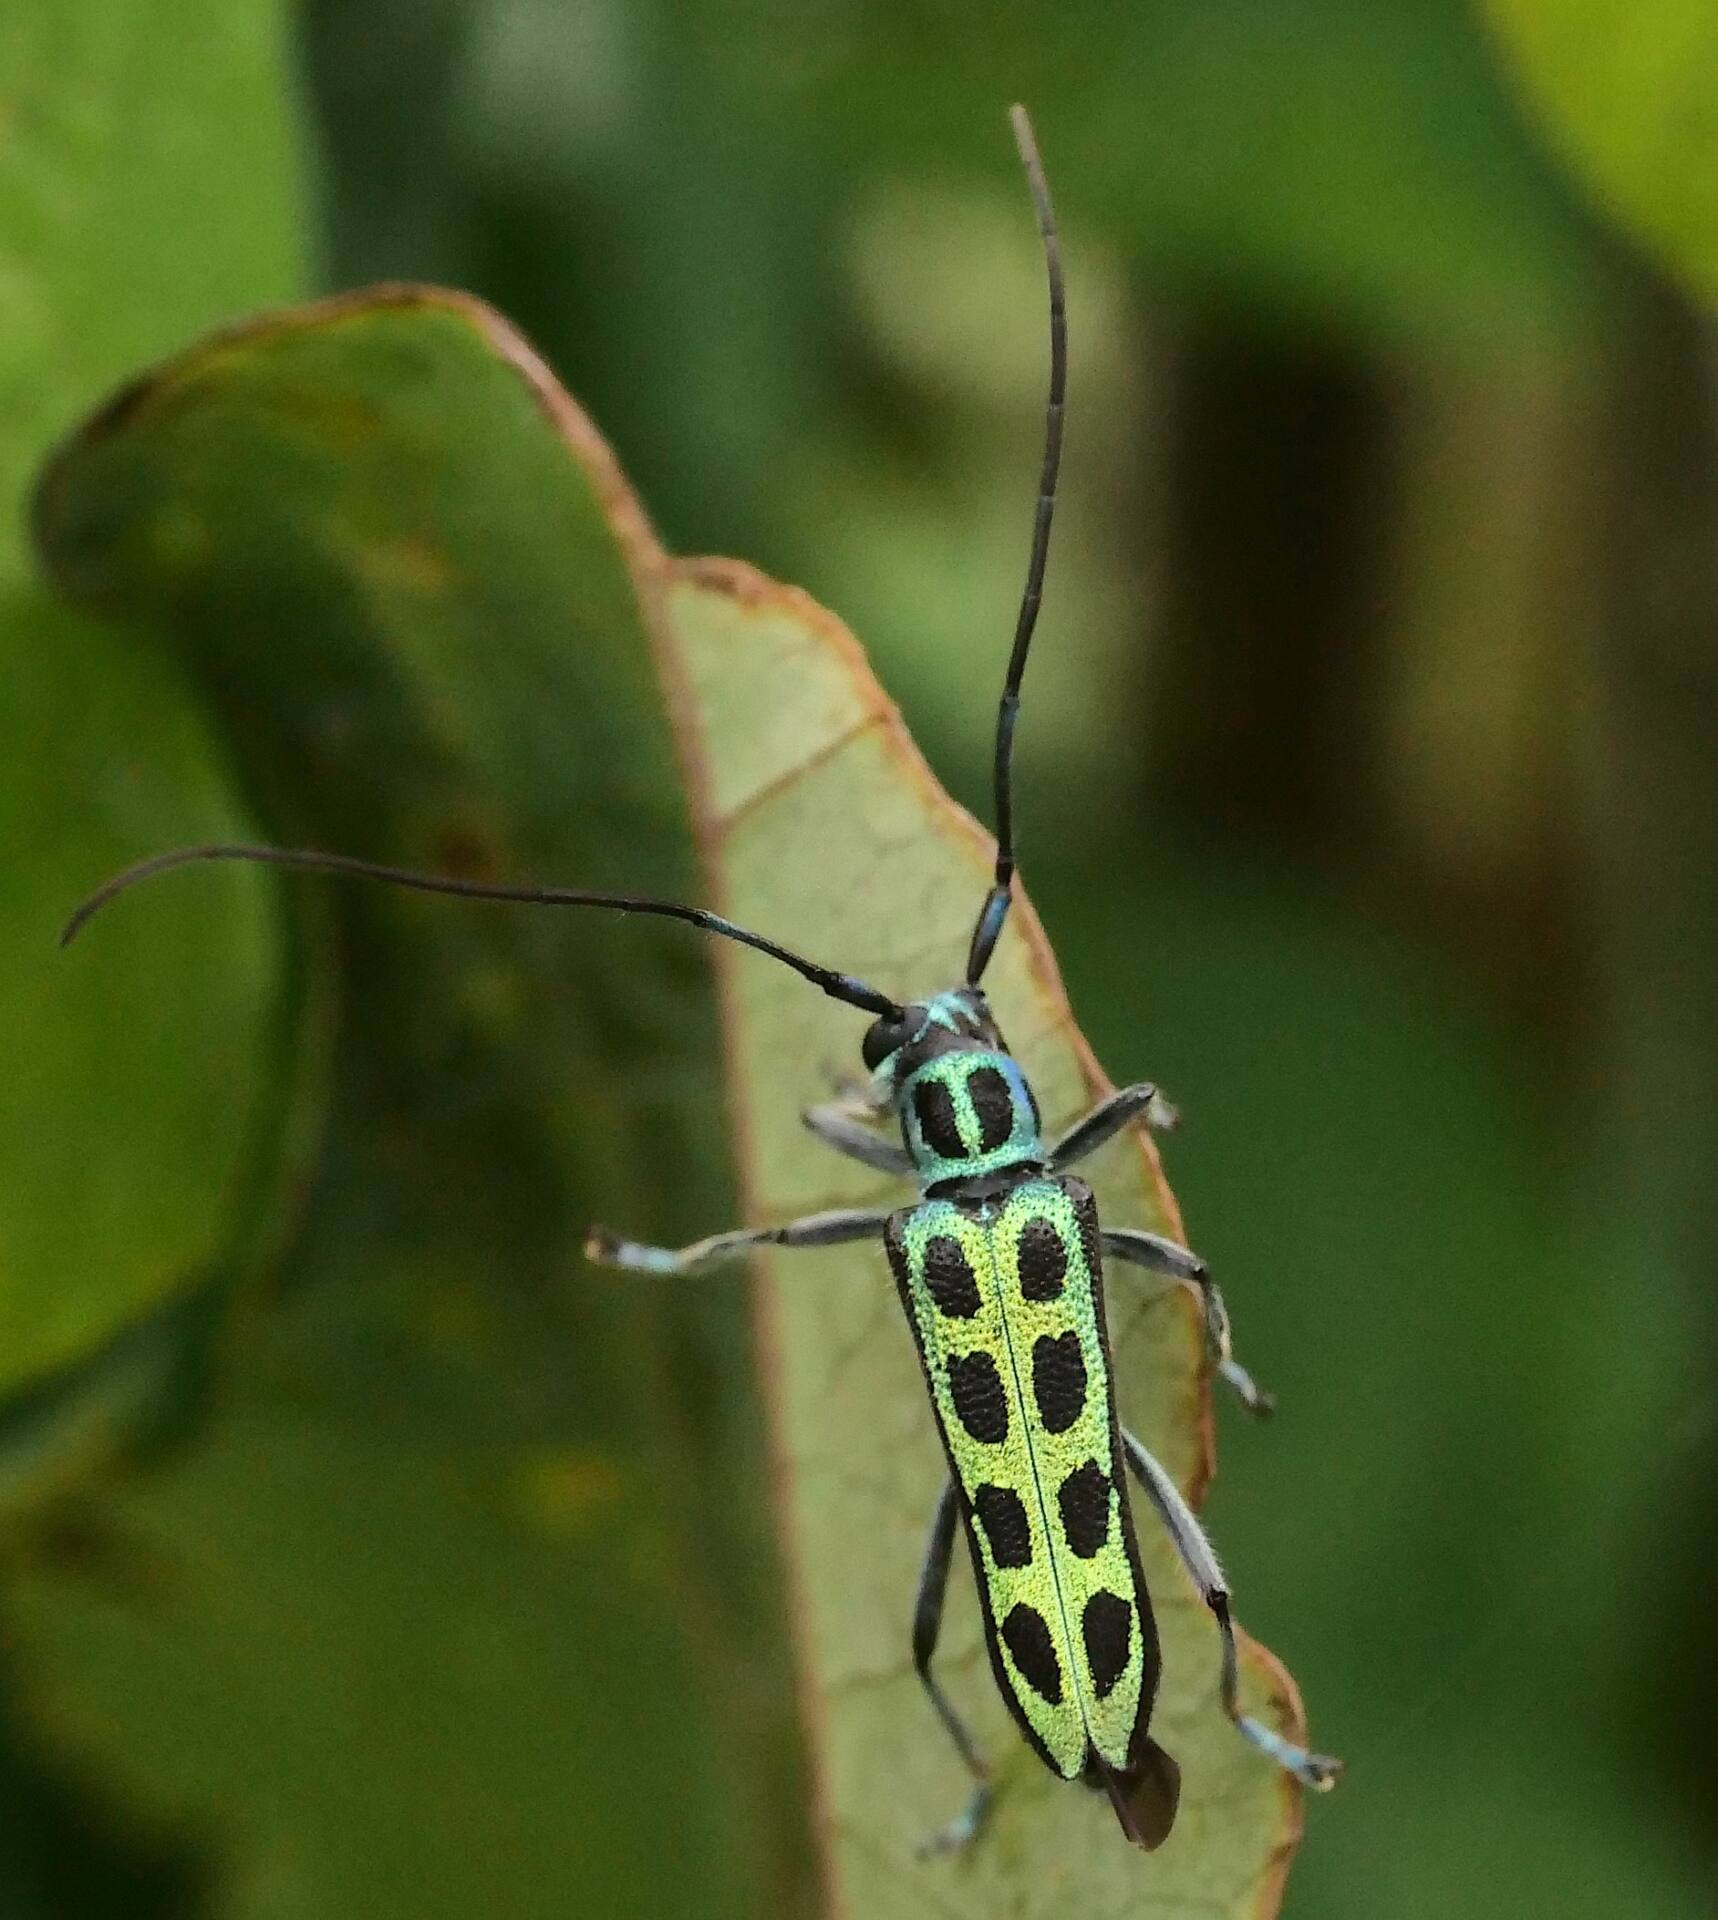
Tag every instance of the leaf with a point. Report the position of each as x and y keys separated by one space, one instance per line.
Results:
x=143 y=197
x=116 y=148
x=373 y=554
x=444 y=576
x=1630 y=99
x=817 y=797
x=106 y=1220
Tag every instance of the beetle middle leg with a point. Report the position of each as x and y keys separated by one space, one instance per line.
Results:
x=1174 y=1262
x=1198 y=1557
x=833 y=1229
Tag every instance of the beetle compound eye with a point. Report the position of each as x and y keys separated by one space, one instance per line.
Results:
x=882 y=1038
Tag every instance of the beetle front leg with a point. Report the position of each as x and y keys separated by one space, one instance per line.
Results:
x=1141 y=1102
x=837 y=1123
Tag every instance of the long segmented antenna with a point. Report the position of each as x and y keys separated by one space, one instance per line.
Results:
x=839 y=986
x=995 y=909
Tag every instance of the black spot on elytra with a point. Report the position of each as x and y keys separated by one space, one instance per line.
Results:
x=1058 y=1379
x=1043 y=1260
x=1107 y=1628
x=1084 y=1498
x=994 y=1105
x=979 y=1402
x=949 y=1275
x=1027 y=1637
x=1002 y=1514
x=933 y=1107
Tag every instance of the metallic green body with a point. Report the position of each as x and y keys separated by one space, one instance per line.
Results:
x=999 y=1272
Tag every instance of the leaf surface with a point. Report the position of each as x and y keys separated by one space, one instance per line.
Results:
x=135 y=1120
x=839 y=824
x=433 y=609
x=405 y=604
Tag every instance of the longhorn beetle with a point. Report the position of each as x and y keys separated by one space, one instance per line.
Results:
x=999 y=1265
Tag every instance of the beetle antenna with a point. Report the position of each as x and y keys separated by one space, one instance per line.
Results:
x=839 y=986
x=996 y=902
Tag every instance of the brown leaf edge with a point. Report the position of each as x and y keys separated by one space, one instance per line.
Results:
x=654 y=573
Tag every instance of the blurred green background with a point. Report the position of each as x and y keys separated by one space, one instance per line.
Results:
x=1370 y=785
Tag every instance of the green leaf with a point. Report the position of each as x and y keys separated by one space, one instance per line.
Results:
x=440 y=1479
x=434 y=613
x=142 y=195
x=124 y=1139
x=822 y=816
x=1629 y=95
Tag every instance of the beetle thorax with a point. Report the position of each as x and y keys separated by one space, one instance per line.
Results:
x=965 y=1109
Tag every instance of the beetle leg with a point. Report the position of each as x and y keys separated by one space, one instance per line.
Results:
x=1174 y=1262
x=1197 y=1556
x=838 y=1125
x=1142 y=1101
x=832 y=1229
x=927 y=1624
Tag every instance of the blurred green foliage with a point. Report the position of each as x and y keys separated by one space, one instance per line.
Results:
x=1369 y=764
x=1627 y=95
x=111 y=145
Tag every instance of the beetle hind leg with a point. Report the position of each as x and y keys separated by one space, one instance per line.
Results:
x=1316 y=1770
x=963 y=1829
x=966 y=1826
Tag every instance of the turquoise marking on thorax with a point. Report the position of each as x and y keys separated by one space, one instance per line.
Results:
x=946 y=1009
x=962 y=1086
